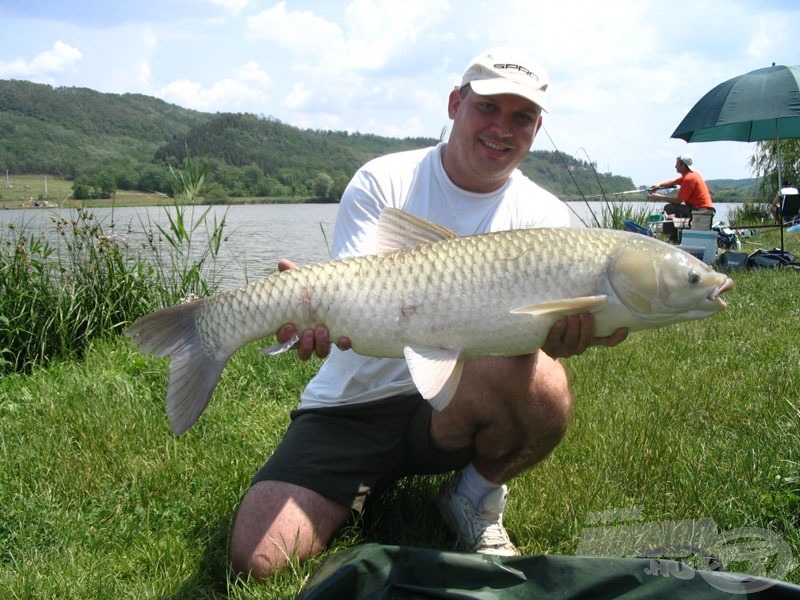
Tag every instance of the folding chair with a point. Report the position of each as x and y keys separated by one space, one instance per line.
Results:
x=699 y=219
x=702 y=218
x=789 y=210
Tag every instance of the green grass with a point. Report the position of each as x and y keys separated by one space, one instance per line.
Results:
x=100 y=500
x=23 y=190
x=28 y=191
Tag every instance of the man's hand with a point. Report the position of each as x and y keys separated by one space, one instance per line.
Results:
x=312 y=341
x=574 y=334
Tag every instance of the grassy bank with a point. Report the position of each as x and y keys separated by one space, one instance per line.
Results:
x=100 y=500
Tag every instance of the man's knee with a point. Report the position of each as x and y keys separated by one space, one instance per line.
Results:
x=277 y=523
x=530 y=415
x=251 y=550
x=512 y=393
x=550 y=397
x=258 y=562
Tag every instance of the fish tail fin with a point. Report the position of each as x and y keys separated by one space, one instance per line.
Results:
x=193 y=372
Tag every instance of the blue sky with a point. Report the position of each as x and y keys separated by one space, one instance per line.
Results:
x=623 y=72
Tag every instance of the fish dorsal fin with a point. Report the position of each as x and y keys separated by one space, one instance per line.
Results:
x=436 y=373
x=561 y=308
x=398 y=229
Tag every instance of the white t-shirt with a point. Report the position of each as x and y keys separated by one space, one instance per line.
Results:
x=415 y=182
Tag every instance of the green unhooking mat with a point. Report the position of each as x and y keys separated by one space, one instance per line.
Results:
x=374 y=571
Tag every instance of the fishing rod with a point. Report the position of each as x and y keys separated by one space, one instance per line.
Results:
x=569 y=171
x=605 y=195
x=597 y=178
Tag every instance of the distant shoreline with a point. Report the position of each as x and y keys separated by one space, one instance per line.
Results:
x=157 y=200
x=141 y=200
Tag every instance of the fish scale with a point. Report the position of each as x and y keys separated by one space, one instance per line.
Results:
x=436 y=299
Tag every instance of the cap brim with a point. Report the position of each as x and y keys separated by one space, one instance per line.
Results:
x=499 y=85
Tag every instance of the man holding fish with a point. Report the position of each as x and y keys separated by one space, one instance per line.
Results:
x=361 y=423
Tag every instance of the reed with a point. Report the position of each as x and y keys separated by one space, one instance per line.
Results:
x=749 y=213
x=181 y=267
x=614 y=215
x=55 y=297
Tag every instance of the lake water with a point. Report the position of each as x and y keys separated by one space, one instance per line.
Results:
x=258 y=234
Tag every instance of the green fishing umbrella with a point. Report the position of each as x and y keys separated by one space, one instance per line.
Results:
x=759 y=106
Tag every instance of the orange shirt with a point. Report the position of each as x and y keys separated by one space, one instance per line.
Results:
x=694 y=191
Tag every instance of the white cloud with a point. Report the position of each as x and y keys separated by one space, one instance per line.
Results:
x=14 y=68
x=143 y=74
x=252 y=73
x=297 y=97
x=302 y=32
x=230 y=94
x=366 y=63
x=233 y=6
x=377 y=30
x=372 y=33
x=61 y=58
x=142 y=68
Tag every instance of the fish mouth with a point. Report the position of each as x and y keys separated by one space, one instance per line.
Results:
x=716 y=293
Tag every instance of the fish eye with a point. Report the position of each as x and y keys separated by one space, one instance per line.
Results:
x=694 y=278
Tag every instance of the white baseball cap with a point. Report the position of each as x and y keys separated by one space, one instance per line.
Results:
x=686 y=159
x=507 y=71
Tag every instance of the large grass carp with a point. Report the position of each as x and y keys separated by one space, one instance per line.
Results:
x=436 y=299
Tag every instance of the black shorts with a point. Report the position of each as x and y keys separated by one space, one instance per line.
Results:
x=679 y=210
x=347 y=453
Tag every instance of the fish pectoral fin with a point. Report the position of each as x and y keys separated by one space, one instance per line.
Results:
x=398 y=229
x=281 y=348
x=561 y=308
x=436 y=373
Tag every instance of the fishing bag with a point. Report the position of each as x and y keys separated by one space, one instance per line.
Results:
x=767 y=259
x=727 y=239
x=379 y=572
x=729 y=261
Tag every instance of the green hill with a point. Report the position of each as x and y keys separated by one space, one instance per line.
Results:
x=127 y=141
x=71 y=130
x=735 y=184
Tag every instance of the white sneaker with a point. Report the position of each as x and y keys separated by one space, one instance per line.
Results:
x=479 y=530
